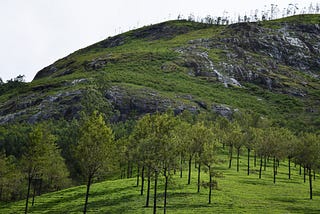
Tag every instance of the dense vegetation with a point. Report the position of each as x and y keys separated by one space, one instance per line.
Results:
x=156 y=147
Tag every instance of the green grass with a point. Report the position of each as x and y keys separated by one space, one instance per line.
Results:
x=236 y=193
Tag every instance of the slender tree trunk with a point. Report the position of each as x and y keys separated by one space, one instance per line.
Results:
x=121 y=174
x=274 y=169
x=142 y=180
x=238 y=158
x=248 y=161
x=189 y=174
x=260 y=171
x=138 y=175
x=40 y=187
x=87 y=194
x=28 y=193
x=199 y=170
x=289 y=165
x=155 y=193
x=131 y=169
x=210 y=185
x=304 y=174
x=148 y=188
x=310 y=183
x=314 y=175
x=300 y=169
x=1 y=190
x=230 y=155
x=255 y=158
x=128 y=169
x=165 y=194
x=181 y=163
x=34 y=192
x=265 y=163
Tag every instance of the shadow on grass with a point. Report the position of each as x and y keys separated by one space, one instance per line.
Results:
x=68 y=204
x=316 y=193
x=304 y=209
x=118 y=205
x=284 y=199
x=254 y=182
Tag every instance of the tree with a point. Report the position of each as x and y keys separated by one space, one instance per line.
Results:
x=181 y=136
x=35 y=158
x=289 y=143
x=309 y=153
x=233 y=139
x=237 y=136
x=144 y=152
x=14 y=137
x=10 y=177
x=67 y=136
x=260 y=145
x=94 y=150
x=200 y=135
x=166 y=147
x=208 y=156
x=157 y=148
x=56 y=176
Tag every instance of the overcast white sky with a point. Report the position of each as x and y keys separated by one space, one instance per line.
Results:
x=35 y=33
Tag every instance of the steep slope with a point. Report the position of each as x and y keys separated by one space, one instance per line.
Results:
x=269 y=67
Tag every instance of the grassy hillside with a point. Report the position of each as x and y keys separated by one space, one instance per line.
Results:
x=236 y=193
x=179 y=64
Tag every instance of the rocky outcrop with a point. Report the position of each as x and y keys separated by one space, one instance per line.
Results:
x=256 y=54
x=223 y=110
x=165 y=30
x=60 y=68
x=32 y=108
x=200 y=64
x=138 y=101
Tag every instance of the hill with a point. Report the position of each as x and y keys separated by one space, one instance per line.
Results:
x=269 y=67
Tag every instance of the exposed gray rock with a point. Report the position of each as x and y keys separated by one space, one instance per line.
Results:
x=131 y=102
x=113 y=41
x=222 y=110
x=77 y=81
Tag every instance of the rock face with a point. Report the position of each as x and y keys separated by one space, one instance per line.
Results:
x=135 y=102
x=253 y=53
x=33 y=108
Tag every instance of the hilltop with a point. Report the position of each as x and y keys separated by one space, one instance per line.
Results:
x=269 y=67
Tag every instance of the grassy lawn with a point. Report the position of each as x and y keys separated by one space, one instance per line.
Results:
x=237 y=193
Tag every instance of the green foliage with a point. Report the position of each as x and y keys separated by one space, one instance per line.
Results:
x=95 y=149
x=14 y=138
x=39 y=145
x=308 y=150
x=236 y=193
x=10 y=178
x=17 y=84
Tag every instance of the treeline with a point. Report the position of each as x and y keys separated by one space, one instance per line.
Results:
x=270 y=12
x=12 y=84
x=52 y=155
